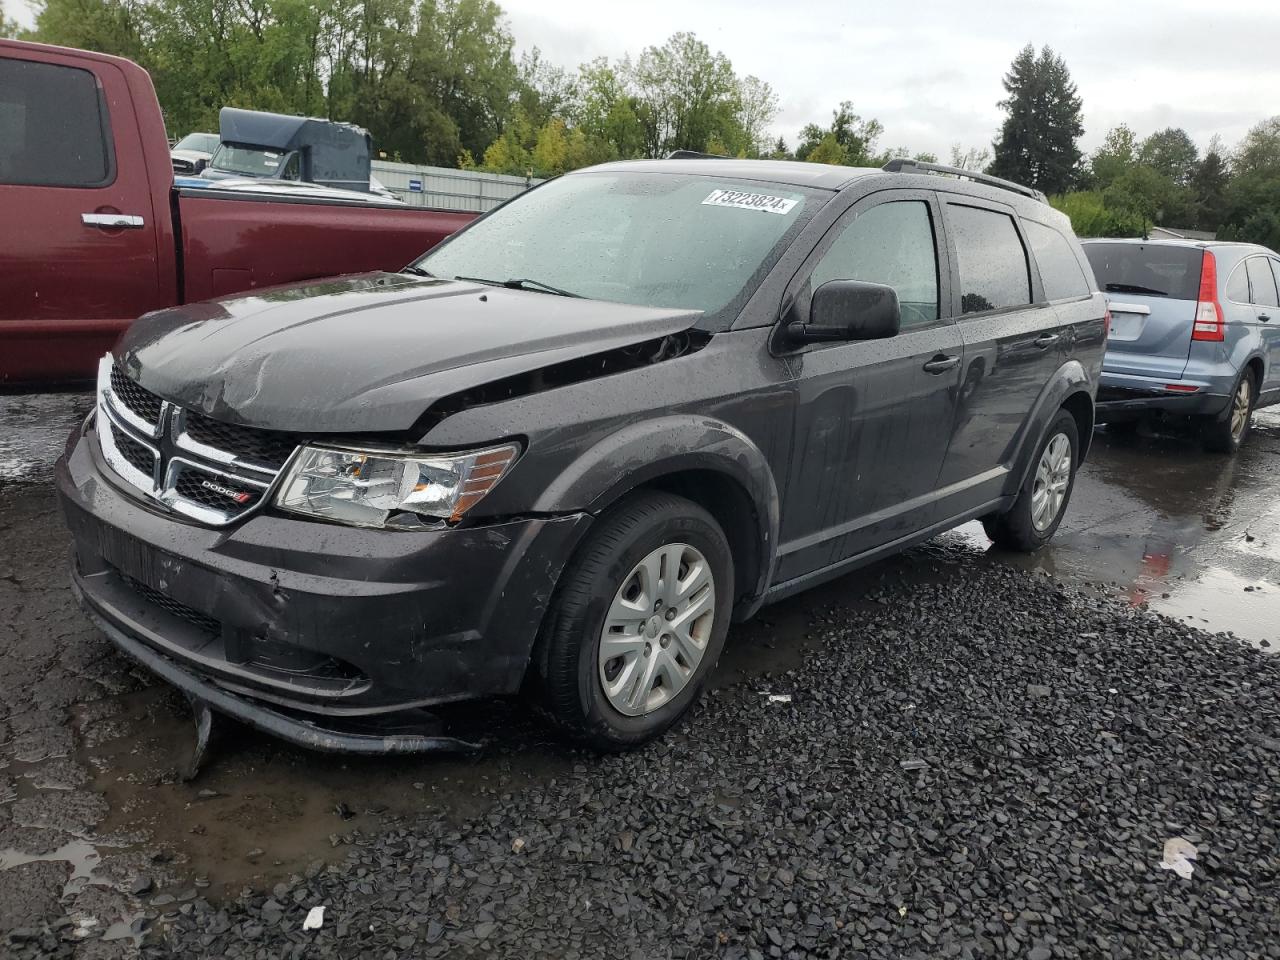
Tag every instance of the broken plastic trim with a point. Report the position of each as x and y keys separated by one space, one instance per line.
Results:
x=566 y=373
x=304 y=733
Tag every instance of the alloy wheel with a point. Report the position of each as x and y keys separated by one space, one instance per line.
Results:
x=657 y=629
x=1240 y=408
x=1053 y=477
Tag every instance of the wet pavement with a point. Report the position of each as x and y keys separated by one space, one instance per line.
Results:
x=99 y=833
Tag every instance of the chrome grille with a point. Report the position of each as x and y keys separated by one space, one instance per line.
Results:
x=198 y=467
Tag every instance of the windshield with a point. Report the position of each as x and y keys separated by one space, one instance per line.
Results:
x=657 y=240
x=1146 y=269
x=203 y=142
x=247 y=161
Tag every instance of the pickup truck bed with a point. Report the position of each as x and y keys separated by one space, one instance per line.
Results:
x=96 y=233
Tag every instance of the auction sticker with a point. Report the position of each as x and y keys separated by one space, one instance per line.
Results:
x=749 y=201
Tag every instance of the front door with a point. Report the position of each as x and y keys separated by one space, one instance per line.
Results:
x=1265 y=301
x=872 y=417
x=78 y=248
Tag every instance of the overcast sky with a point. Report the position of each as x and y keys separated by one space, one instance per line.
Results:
x=930 y=71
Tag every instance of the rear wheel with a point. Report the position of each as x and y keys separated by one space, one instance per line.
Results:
x=1034 y=517
x=1227 y=431
x=638 y=622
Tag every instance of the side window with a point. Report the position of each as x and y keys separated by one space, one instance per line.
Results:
x=1275 y=272
x=992 y=261
x=293 y=167
x=891 y=244
x=1261 y=283
x=52 y=129
x=1238 y=285
x=1059 y=269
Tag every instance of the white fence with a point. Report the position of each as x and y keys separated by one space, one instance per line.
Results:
x=448 y=189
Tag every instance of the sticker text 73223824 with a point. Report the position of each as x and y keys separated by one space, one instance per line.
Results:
x=749 y=201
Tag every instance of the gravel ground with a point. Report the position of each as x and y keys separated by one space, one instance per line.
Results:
x=988 y=765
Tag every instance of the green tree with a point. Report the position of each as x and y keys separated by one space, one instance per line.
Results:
x=757 y=106
x=1209 y=188
x=1091 y=216
x=1038 y=140
x=691 y=95
x=1252 y=197
x=8 y=27
x=855 y=137
x=1119 y=152
x=1172 y=153
x=976 y=159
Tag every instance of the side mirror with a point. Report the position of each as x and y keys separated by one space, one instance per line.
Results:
x=849 y=310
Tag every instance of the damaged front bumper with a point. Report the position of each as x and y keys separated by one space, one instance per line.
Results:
x=321 y=634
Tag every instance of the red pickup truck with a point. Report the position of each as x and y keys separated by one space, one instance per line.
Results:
x=94 y=232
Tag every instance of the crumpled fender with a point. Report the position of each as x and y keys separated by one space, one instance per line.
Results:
x=643 y=452
x=1068 y=379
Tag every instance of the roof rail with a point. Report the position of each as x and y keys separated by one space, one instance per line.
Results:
x=906 y=165
x=695 y=155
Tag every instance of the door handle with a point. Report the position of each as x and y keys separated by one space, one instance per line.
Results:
x=127 y=221
x=1264 y=317
x=940 y=364
x=1046 y=340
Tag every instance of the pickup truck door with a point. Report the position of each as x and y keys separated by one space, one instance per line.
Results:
x=873 y=417
x=79 y=248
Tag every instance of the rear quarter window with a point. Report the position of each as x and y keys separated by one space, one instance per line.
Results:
x=992 y=260
x=53 y=131
x=1147 y=269
x=1059 y=269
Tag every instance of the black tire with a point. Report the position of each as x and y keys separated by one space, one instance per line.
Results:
x=572 y=687
x=1217 y=433
x=1016 y=528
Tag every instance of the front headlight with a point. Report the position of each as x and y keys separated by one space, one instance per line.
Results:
x=366 y=487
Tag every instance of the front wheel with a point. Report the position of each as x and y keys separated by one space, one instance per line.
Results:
x=1034 y=517
x=1227 y=431
x=638 y=621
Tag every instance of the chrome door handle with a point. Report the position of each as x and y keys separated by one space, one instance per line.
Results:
x=128 y=221
x=940 y=364
x=1047 y=340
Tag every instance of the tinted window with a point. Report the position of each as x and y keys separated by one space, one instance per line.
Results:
x=52 y=131
x=1149 y=269
x=1059 y=269
x=1238 y=285
x=890 y=244
x=993 y=264
x=1261 y=283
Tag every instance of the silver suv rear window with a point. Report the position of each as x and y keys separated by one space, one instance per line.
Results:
x=1146 y=269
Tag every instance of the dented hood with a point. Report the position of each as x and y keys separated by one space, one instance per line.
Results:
x=367 y=353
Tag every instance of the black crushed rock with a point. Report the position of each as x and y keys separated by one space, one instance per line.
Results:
x=1064 y=738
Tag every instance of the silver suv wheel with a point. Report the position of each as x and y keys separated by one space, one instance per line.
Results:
x=1053 y=477
x=657 y=629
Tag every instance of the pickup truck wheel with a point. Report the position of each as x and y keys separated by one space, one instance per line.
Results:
x=1225 y=432
x=638 y=622
x=1034 y=517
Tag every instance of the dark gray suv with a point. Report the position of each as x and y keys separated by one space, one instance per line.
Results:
x=563 y=450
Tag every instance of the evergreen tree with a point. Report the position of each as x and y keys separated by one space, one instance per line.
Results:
x=1037 y=144
x=1209 y=186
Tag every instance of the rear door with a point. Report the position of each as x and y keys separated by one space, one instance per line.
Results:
x=1152 y=290
x=1266 y=311
x=1013 y=343
x=873 y=417
x=78 y=248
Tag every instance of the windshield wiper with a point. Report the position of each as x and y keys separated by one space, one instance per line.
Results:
x=537 y=286
x=1134 y=288
x=417 y=271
